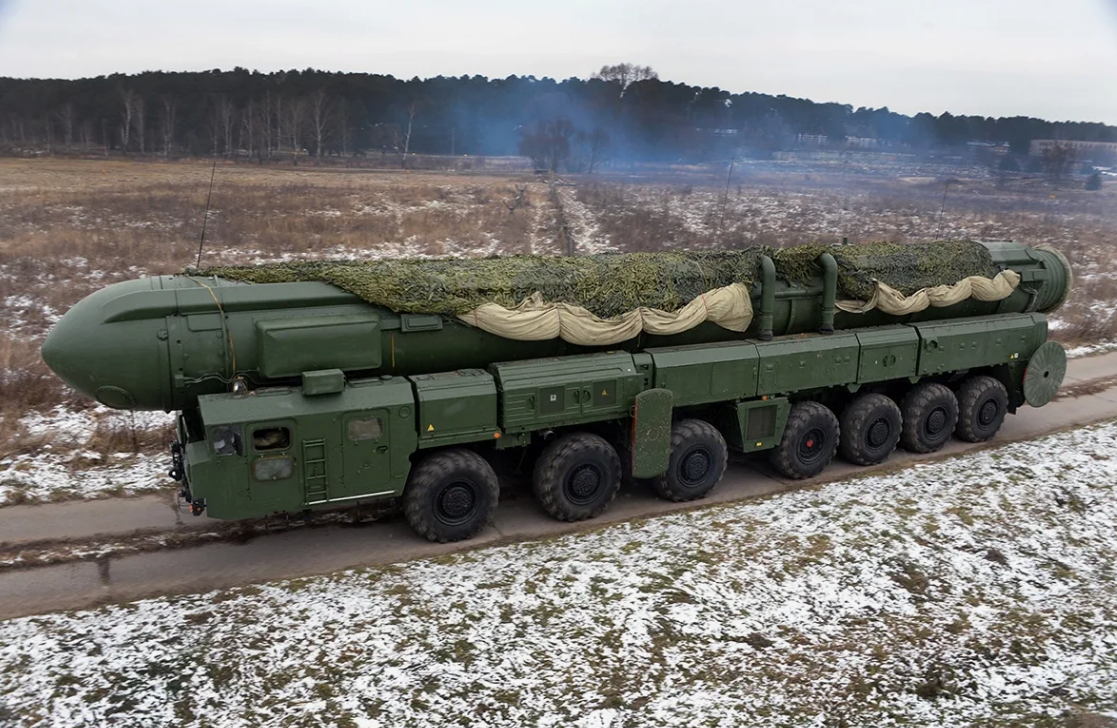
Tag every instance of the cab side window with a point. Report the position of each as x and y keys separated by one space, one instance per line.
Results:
x=265 y=439
x=368 y=428
x=226 y=440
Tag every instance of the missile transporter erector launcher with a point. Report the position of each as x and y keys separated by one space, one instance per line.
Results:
x=301 y=394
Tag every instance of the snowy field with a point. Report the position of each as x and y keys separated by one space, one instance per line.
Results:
x=973 y=591
x=88 y=454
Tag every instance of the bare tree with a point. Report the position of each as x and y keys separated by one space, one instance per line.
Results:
x=264 y=117
x=64 y=114
x=86 y=133
x=295 y=119
x=1057 y=162
x=625 y=74
x=548 y=143
x=48 y=131
x=278 y=124
x=344 y=126
x=321 y=115
x=14 y=130
x=412 y=109
x=167 y=123
x=593 y=148
x=226 y=113
x=139 y=118
x=214 y=127
x=128 y=99
x=248 y=127
x=385 y=136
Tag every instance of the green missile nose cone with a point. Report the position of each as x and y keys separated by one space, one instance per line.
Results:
x=108 y=347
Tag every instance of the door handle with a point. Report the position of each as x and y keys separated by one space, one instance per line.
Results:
x=382 y=449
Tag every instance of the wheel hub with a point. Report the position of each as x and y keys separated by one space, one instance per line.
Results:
x=878 y=433
x=583 y=484
x=936 y=421
x=695 y=466
x=988 y=413
x=456 y=503
x=811 y=446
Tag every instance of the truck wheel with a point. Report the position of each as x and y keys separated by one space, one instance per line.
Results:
x=930 y=412
x=809 y=441
x=451 y=496
x=577 y=476
x=698 y=460
x=982 y=404
x=870 y=429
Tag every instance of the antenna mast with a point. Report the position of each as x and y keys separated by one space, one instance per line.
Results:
x=725 y=199
x=205 y=217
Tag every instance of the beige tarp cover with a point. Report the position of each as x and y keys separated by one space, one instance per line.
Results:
x=730 y=307
x=893 y=302
x=534 y=319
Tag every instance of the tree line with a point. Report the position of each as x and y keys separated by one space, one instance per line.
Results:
x=621 y=113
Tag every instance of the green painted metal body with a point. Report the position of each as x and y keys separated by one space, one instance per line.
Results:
x=651 y=432
x=754 y=425
x=345 y=394
x=455 y=407
x=338 y=448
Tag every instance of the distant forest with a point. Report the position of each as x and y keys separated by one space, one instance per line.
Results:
x=624 y=113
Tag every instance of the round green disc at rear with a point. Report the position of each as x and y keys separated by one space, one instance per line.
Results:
x=1044 y=374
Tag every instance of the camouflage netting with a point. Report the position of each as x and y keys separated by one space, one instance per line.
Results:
x=906 y=268
x=611 y=284
x=608 y=284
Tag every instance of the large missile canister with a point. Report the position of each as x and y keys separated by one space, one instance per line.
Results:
x=159 y=343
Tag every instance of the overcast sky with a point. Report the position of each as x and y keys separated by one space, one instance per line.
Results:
x=1056 y=60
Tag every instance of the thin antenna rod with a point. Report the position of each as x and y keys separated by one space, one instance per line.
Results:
x=205 y=217
x=725 y=199
x=945 y=187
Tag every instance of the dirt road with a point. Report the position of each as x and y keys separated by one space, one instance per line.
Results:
x=309 y=551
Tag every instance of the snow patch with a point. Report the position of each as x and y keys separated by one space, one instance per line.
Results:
x=976 y=590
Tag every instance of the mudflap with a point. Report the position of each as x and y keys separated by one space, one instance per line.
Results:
x=651 y=433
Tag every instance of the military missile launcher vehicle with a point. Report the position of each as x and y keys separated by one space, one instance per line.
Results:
x=311 y=386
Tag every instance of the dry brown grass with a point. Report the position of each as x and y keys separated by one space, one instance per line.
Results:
x=25 y=381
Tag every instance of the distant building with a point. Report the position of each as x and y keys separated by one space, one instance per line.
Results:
x=815 y=140
x=862 y=142
x=1039 y=146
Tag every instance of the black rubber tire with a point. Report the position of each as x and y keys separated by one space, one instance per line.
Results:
x=577 y=476
x=699 y=457
x=809 y=441
x=930 y=412
x=982 y=406
x=451 y=496
x=870 y=428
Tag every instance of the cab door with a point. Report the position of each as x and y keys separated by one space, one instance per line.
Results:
x=367 y=455
x=273 y=470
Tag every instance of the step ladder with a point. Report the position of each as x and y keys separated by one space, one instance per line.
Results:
x=315 y=477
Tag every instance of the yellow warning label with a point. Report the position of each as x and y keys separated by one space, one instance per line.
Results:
x=430 y=428
x=604 y=393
